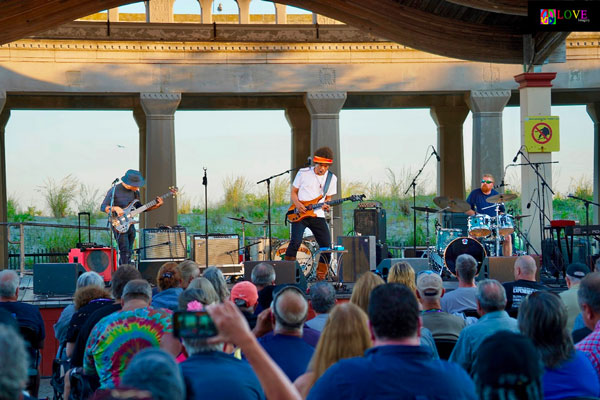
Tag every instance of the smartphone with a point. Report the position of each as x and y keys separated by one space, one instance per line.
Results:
x=193 y=324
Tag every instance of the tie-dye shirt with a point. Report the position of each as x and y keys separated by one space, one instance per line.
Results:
x=118 y=337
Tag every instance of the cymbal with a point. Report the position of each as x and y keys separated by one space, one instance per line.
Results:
x=517 y=217
x=425 y=209
x=452 y=205
x=501 y=198
x=242 y=220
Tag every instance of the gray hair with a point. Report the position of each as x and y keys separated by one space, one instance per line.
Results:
x=209 y=290
x=589 y=291
x=189 y=270
x=215 y=276
x=491 y=295
x=466 y=267
x=156 y=371
x=13 y=368
x=9 y=283
x=527 y=265
x=263 y=274
x=191 y=294
x=90 y=278
x=322 y=297
x=137 y=289
x=290 y=308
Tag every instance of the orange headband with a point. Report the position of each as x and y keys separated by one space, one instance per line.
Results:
x=322 y=160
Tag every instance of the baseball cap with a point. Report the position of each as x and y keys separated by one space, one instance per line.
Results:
x=246 y=291
x=577 y=270
x=429 y=284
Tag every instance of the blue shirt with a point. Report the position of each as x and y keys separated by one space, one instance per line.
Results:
x=394 y=372
x=575 y=377
x=123 y=197
x=318 y=322
x=478 y=202
x=216 y=375
x=291 y=353
x=27 y=315
x=167 y=298
x=472 y=336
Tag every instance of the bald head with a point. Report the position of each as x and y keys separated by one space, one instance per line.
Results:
x=290 y=309
x=525 y=268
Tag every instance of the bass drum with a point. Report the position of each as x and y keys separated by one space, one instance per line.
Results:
x=463 y=245
x=305 y=255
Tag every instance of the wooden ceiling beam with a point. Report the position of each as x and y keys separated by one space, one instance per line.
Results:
x=511 y=7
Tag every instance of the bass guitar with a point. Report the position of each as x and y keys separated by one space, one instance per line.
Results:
x=293 y=215
x=121 y=223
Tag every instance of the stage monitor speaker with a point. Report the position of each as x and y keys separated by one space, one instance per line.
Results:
x=149 y=268
x=371 y=222
x=59 y=279
x=286 y=272
x=222 y=249
x=418 y=264
x=361 y=256
x=102 y=260
x=502 y=268
x=163 y=243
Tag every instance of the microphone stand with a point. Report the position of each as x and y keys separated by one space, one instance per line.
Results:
x=205 y=184
x=413 y=184
x=268 y=180
x=586 y=203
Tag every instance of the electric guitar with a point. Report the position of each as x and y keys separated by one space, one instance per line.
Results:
x=122 y=223
x=293 y=215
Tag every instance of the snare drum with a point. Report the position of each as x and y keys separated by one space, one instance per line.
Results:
x=480 y=225
x=444 y=236
x=463 y=245
x=305 y=255
x=505 y=224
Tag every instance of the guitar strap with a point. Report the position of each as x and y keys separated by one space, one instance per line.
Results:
x=327 y=182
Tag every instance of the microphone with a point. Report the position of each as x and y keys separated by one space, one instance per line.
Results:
x=517 y=155
x=115 y=181
x=308 y=161
x=435 y=153
x=502 y=184
x=531 y=199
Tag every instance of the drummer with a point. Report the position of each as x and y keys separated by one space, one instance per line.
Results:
x=479 y=205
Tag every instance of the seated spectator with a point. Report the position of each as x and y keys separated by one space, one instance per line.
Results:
x=508 y=367
x=441 y=324
x=206 y=287
x=589 y=302
x=169 y=283
x=567 y=372
x=362 y=289
x=465 y=296
x=491 y=301
x=28 y=317
x=119 y=336
x=396 y=367
x=286 y=346
x=215 y=276
x=13 y=368
x=402 y=272
x=189 y=271
x=89 y=278
x=210 y=373
x=345 y=334
x=322 y=299
x=245 y=296
x=155 y=370
x=263 y=276
x=524 y=283
x=575 y=273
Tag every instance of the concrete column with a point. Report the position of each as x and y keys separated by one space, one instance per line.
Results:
x=451 y=168
x=300 y=122
x=140 y=119
x=280 y=13
x=161 y=11
x=534 y=92
x=113 y=14
x=324 y=109
x=488 y=153
x=160 y=153
x=4 y=116
x=594 y=113
x=244 y=11
x=206 y=8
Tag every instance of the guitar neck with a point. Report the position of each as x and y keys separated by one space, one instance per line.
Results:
x=148 y=205
x=331 y=203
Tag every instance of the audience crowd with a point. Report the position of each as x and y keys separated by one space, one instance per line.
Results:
x=410 y=338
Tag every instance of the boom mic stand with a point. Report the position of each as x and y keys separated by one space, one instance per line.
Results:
x=205 y=183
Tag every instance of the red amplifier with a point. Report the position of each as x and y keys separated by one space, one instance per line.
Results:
x=102 y=260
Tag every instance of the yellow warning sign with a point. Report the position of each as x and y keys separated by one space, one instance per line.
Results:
x=542 y=134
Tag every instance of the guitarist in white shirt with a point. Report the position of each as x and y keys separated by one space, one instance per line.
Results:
x=309 y=184
x=125 y=193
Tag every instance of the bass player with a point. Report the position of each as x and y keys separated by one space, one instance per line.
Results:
x=125 y=193
x=309 y=184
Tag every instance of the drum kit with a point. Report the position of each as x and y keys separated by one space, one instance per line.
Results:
x=485 y=233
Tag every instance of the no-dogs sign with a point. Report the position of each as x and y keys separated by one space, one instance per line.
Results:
x=541 y=134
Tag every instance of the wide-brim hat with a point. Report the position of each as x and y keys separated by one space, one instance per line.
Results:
x=133 y=178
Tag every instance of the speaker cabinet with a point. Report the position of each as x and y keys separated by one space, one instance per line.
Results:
x=222 y=250
x=371 y=222
x=418 y=264
x=502 y=268
x=161 y=244
x=286 y=272
x=361 y=256
x=58 y=279
x=149 y=268
x=102 y=260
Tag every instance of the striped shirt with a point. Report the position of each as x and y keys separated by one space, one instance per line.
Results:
x=590 y=345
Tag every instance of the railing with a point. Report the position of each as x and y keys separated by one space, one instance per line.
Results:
x=41 y=256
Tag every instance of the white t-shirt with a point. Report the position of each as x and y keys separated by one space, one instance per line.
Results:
x=310 y=187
